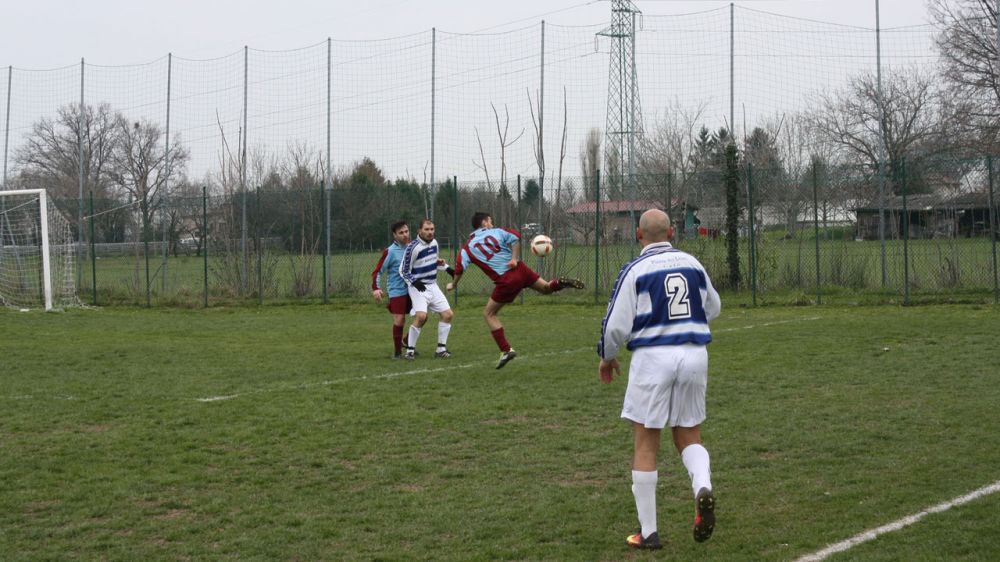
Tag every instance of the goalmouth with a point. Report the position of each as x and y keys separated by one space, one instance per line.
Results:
x=37 y=252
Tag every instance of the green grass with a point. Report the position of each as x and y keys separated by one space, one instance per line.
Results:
x=823 y=422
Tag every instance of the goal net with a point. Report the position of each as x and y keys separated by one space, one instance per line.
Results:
x=37 y=261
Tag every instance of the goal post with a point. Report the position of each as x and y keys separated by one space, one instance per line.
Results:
x=37 y=252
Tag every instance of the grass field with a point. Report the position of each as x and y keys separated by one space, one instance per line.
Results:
x=823 y=422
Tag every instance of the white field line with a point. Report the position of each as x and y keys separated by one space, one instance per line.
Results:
x=385 y=376
x=899 y=524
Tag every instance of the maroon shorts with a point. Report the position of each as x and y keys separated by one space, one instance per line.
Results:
x=400 y=305
x=509 y=285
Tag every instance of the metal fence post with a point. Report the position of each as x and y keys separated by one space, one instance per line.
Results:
x=819 y=298
x=597 y=231
x=204 y=239
x=93 y=252
x=906 y=235
x=993 y=231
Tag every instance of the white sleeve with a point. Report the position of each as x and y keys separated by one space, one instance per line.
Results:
x=711 y=301
x=617 y=326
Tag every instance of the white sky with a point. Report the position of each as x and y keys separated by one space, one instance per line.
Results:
x=44 y=34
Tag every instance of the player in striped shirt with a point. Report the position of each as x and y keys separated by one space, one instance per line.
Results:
x=399 y=298
x=497 y=251
x=661 y=305
x=418 y=269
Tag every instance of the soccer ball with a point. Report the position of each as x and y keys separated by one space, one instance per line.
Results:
x=541 y=245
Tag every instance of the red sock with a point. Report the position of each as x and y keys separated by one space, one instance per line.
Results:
x=500 y=339
x=397 y=338
x=554 y=285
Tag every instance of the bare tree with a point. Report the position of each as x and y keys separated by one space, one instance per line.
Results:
x=915 y=113
x=482 y=155
x=590 y=162
x=502 y=134
x=538 y=146
x=140 y=165
x=666 y=160
x=968 y=45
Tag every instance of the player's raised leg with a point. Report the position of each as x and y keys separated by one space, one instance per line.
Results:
x=547 y=287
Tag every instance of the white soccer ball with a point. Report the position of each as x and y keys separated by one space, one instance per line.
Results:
x=541 y=245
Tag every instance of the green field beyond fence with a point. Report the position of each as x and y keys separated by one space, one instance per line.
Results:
x=287 y=433
x=785 y=270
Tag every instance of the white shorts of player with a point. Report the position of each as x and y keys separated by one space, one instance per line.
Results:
x=666 y=386
x=432 y=299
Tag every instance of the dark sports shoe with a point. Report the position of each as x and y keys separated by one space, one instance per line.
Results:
x=505 y=358
x=569 y=282
x=652 y=542
x=442 y=353
x=704 y=515
x=397 y=356
x=410 y=354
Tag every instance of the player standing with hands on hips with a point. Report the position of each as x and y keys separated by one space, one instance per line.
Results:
x=418 y=269
x=661 y=305
x=399 y=298
x=497 y=252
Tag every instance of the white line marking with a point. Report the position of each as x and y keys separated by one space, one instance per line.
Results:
x=385 y=376
x=899 y=524
x=776 y=322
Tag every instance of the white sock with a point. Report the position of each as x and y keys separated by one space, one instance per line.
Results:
x=443 y=331
x=644 y=490
x=413 y=337
x=696 y=462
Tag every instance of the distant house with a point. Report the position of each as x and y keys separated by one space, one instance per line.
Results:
x=929 y=216
x=619 y=219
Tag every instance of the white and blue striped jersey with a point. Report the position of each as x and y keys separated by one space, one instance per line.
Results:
x=663 y=297
x=420 y=261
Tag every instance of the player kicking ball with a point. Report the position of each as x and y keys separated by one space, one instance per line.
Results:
x=497 y=252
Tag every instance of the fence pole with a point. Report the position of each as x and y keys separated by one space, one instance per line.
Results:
x=204 y=239
x=79 y=144
x=244 y=281
x=327 y=264
x=326 y=241
x=93 y=252
x=819 y=298
x=456 y=246
x=6 y=126
x=145 y=252
x=597 y=231
x=541 y=126
x=881 y=145
x=517 y=221
x=433 y=102
x=260 y=248
x=164 y=199
x=993 y=232
x=753 y=236
x=906 y=236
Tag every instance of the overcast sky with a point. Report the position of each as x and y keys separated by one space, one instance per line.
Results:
x=44 y=34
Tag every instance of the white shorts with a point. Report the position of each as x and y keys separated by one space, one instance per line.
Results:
x=666 y=386
x=432 y=299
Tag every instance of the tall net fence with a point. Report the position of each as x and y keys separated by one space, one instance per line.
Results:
x=276 y=174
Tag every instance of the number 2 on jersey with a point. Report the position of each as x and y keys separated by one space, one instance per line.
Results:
x=677 y=292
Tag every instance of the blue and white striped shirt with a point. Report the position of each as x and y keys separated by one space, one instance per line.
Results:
x=663 y=297
x=420 y=261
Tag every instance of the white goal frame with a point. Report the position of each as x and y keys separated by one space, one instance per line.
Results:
x=43 y=206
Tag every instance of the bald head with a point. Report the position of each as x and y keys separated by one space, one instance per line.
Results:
x=654 y=226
